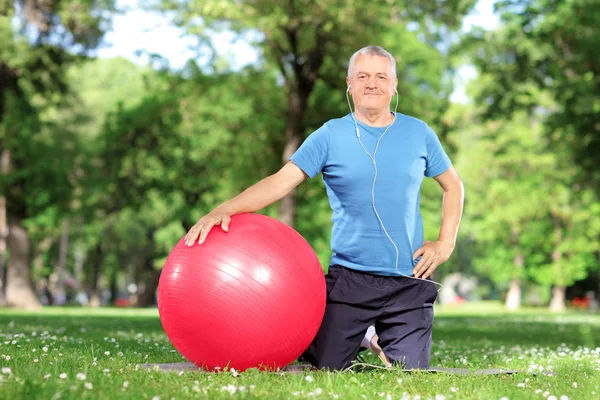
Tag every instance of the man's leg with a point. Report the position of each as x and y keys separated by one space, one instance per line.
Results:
x=369 y=337
x=338 y=340
x=371 y=341
x=405 y=327
x=352 y=306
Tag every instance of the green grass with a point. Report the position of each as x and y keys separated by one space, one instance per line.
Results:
x=92 y=354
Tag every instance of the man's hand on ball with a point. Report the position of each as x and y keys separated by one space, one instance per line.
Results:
x=432 y=255
x=201 y=229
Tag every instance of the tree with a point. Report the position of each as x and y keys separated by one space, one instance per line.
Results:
x=552 y=46
x=162 y=162
x=32 y=83
x=4 y=165
x=573 y=216
x=117 y=84
x=528 y=216
x=505 y=166
x=543 y=62
x=309 y=41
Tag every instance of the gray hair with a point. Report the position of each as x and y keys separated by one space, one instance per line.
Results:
x=373 y=51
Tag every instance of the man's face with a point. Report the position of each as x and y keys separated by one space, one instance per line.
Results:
x=371 y=82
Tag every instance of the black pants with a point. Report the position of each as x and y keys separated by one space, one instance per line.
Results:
x=401 y=309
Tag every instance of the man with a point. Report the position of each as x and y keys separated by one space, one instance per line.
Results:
x=373 y=162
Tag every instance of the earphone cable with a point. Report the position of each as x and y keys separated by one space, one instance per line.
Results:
x=372 y=157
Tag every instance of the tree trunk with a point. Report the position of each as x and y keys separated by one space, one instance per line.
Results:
x=146 y=280
x=3 y=279
x=19 y=288
x=60 y=292
x=557 y=304
x=113 y=287
x=95 y=284
x=4 y=169
x=3 y=237
x=145 y=298
x=8 y=82
x=79 y=254
x=41 y=248
x=513 y=297
x=299 y=86
x=293 y=137
x=37 y=267
x=135 y=274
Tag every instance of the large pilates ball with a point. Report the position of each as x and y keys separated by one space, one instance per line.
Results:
x=253 y=297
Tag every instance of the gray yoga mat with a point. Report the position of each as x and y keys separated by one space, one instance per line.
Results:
x=300 y=368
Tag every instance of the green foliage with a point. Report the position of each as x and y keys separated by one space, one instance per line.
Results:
x=523 y=203
x=536 y=91
x=184 y=148
x=141 y=154
x=100 y=85
x=41 y=145
x=40 y=154
x=548 y=46
x=309 y=41
x=46 y=160
x=78 y=25
x=574 y=245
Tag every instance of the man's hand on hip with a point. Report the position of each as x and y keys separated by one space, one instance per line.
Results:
x=432 y=255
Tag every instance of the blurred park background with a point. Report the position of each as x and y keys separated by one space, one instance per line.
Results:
x=122 y=123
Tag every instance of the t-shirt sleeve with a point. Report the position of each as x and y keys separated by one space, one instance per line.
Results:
x=437 y=159
x=312 y=155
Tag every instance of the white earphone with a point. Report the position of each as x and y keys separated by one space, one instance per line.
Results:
x=372 y=157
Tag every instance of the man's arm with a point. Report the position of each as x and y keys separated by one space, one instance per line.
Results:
x=435 y=253
x=452 y=205
x=263 y=193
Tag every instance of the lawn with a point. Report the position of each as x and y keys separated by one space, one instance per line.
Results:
x=92 y=354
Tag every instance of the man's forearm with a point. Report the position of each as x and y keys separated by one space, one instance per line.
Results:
x=452 y=207
x=264 y=193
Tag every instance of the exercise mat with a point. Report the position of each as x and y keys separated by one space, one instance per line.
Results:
x=300 y=368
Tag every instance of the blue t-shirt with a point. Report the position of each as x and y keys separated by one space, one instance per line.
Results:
x=408 y=151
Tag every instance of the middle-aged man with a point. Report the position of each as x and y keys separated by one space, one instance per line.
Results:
x=373 y=163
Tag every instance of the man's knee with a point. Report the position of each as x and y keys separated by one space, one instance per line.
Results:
x=327 y=360
x=409 y=362
x=408 y=351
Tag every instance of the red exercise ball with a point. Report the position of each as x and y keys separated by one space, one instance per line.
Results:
x=253 y=297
